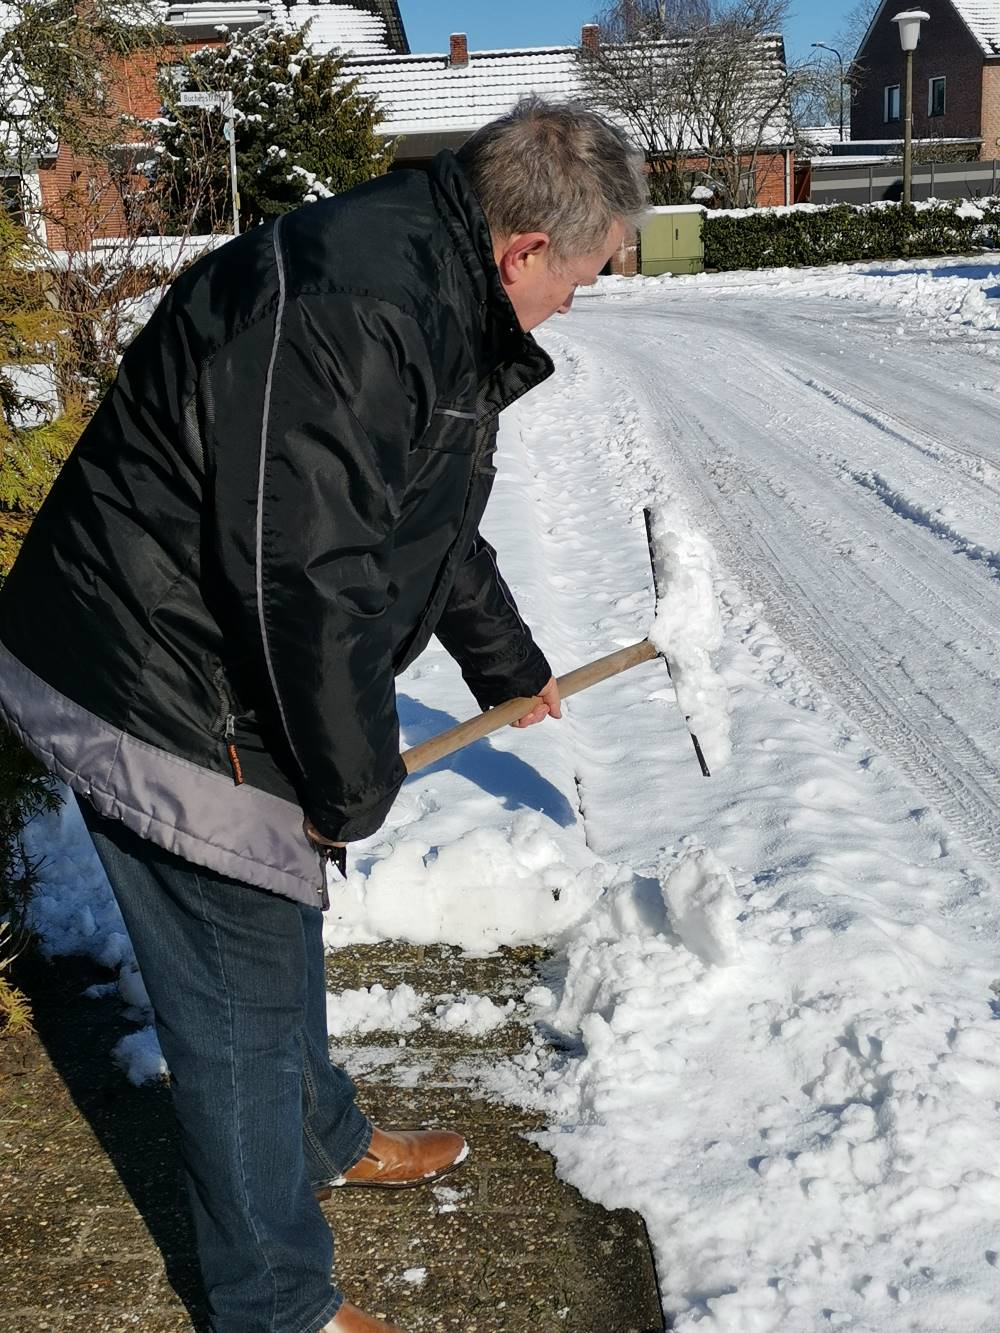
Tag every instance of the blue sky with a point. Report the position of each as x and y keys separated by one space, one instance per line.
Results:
x=553 y=22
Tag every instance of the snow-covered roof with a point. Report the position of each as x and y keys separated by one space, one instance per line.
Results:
x=820 y=135
x=420 y=93
x=982 y=17
x=429 y=94
x=344 y=28
x=335 y=26
x=204 y=17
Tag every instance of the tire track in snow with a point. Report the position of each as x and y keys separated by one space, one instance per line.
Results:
x=895 y=627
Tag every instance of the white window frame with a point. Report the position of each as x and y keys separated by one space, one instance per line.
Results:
x=942 y=79
x=891 y=88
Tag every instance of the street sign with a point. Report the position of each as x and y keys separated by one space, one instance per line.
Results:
x=207 y=100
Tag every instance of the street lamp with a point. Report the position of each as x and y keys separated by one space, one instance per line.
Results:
x=909 y=34
x=823 y=47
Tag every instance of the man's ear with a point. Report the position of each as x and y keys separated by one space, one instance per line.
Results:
x=518 y=255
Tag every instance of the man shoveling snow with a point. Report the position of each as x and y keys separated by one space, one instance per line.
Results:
x=273 y=509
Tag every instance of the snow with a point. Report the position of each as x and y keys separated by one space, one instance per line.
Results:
x=687 y=628
x=425 y=92
x=983 y=19
x=373 y=1009
x=769 y=1019
x=476 y=1015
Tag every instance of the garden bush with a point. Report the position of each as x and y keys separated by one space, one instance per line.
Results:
x=847 y=233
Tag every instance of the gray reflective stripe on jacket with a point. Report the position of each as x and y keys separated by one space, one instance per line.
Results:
x=242 y=832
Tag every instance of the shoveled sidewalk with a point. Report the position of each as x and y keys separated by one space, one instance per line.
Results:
x=93 y=1229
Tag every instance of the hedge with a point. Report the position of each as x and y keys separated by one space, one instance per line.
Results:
x=845 y=233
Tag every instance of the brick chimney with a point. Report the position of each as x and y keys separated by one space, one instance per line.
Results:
x=590 y=37
x=458 y=55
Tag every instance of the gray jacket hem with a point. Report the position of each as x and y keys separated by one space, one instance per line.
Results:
x=241 y=832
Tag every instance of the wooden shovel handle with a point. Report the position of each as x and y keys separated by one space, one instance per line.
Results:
x=429 y=752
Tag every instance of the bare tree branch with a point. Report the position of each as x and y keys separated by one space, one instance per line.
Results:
x=695 y=80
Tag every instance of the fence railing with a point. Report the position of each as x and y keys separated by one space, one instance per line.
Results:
x=858 y=183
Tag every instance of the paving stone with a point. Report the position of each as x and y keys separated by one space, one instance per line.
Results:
x=96 y=1234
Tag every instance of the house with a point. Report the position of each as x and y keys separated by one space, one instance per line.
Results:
x=429 y=101
x=956 y=79
x=436 y=101
x=71 y=204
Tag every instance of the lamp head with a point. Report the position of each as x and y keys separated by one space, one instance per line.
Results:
x=909 y=27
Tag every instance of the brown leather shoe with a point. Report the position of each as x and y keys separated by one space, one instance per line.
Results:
x=350 y=1320
x=400 y=1160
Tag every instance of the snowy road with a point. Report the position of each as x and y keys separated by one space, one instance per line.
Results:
x=847 y=470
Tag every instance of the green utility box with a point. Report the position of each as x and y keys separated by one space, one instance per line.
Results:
x=671 y=241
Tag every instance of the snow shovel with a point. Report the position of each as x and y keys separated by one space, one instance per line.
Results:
x=456 y=738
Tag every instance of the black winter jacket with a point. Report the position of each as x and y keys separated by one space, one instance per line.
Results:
x=272 y=510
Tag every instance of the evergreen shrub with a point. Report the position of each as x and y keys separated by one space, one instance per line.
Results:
x=847 y=233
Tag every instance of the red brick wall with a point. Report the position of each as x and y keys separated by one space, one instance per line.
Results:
x=946 y=47
x=770 y=176
x=771 y=180
x=626 y=262
x=991 y=111
x=79 y=202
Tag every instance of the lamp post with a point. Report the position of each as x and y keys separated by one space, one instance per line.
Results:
x=909 y=35
x=823 y=47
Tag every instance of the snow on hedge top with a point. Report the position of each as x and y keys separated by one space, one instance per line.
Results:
x=982 y=17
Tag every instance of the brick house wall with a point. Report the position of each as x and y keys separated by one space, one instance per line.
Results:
x=991 y=110
x=771 y=180
x=770 y=176
x=79 y=202
x=946 y=47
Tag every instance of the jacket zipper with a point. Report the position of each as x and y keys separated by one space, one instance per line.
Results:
x=229 y=732
x=231 y=751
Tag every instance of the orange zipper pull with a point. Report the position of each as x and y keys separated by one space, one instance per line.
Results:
x=234 y=757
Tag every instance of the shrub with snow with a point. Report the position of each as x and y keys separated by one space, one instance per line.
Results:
x=303 y=131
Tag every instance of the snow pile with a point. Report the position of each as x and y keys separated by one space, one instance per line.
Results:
x=476 y=1015
x=414 y=1277
x=701 y=900
x=803 y=1133
x=961 y=294
x=373 y=1009
x=492 y=886
x=73 y=912
x=140 y=1057
x=688 y=628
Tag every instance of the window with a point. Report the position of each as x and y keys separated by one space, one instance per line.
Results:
x=892 y=112
x=174 y=76
x=936 y=96
x=12 y=197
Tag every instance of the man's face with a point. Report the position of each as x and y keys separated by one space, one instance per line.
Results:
x=538 y=287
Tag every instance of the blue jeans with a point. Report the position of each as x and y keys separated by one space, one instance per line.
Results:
x=235 y=977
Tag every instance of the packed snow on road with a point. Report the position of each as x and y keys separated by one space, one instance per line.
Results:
x=768 y=1022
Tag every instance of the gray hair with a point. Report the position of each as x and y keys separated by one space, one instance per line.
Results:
x=559 y=168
